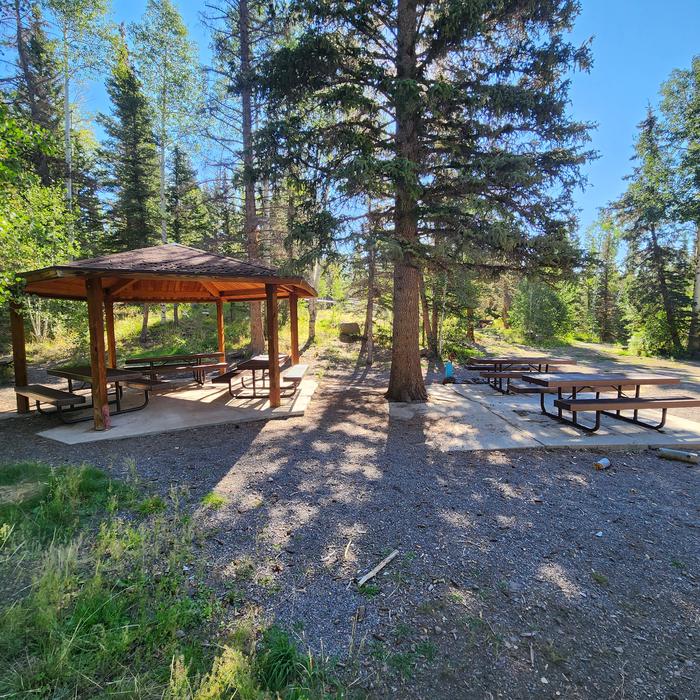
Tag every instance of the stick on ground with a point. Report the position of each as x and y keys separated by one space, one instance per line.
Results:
x=377 y=568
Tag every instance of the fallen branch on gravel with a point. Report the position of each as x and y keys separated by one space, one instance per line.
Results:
x=377 y=569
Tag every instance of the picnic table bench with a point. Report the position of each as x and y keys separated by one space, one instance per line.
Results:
x=48 y=395
x=83 y=374
x=498 y=369
x=597 y=384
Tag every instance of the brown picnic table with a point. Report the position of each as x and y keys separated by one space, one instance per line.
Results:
x=625 y=387
x=83 y=375
x=195 y=362
x=258 y=363
x=512 y=366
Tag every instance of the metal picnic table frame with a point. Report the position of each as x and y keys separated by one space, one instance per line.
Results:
x=83 y=374
x=576 y=384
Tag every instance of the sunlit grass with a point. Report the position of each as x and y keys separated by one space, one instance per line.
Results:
x=102 y=596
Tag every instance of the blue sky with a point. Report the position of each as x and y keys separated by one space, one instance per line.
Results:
x=636 y=45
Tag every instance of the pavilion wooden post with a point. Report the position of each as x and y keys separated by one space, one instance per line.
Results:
x=294 y=328
x=273 y=344
x=220 y=330
x=19 y=355
x=111 y=338
x=95 y=304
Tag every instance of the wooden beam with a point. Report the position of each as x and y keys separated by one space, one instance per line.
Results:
x=19 y=354
x=273 y=344
x=211 y=288
x=294 y=328
x=111 y=338
x=119 y=287
x=220 y=330
x=95 y=301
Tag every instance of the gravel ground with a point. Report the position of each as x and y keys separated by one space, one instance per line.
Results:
x=524 y=574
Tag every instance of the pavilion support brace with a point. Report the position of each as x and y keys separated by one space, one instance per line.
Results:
x=220 y=330
x=294 y=328
x=273 y=344
x=95 y=304
x=19 y=355
x=111 y=338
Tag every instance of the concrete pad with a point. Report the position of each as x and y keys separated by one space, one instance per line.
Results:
x=187 y=407
x=466 y=417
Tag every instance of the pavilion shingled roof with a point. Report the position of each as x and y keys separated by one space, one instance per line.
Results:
x=161 y=273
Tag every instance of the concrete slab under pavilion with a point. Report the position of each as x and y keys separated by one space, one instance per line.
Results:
x=187 y=406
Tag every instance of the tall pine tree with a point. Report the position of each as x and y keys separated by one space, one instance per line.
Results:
x=130 y=154
x=657 y=265
x=456 y=114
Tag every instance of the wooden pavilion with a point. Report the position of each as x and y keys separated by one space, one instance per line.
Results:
x=161 y=274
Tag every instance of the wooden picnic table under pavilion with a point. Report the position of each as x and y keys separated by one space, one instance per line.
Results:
x=160 y=274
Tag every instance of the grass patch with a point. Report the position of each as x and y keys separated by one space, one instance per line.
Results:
x=213 y=500
x=599 y=578
x=152 y=504
x=100 y=599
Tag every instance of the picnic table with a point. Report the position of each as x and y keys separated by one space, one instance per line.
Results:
x=626 y=389
x=116 y=376
x=258 y=363
x=199 y=363
x=512 y=367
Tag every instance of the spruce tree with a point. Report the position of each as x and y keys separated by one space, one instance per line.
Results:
x=130 y=154
x=657 y=266
x=455 y=114
x=188 y=217
x=681 y=108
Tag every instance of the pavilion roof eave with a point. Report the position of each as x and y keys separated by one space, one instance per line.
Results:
x=38 y=283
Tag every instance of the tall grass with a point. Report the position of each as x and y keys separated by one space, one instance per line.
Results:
x=105 y=597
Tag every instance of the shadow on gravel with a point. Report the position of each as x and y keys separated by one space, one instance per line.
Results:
x=520 y=574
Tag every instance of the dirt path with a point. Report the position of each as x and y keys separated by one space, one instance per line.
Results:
x=520 y=575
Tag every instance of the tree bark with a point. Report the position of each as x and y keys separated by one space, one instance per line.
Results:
x=313 y=309
x=694 y=330
x=665 y=295
x=430 y=337
x=67 y=123
x=32 y=92
x=505 y=303
x=368 y=342
x=470 y=326
x=406 y=378
x=144 y=325
x=250 y=223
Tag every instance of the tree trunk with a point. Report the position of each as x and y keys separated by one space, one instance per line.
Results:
x=505 y=303
x=694 y=330
x=176 y=314
x=67 y=123
x=665 y=295
x=427 y=326
x=470 y=326
x=144 y=325
x=315 y=277
x=32 y=96
x=406 y=378
x=250 y=223
x=163 y=212
x=368 y=342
